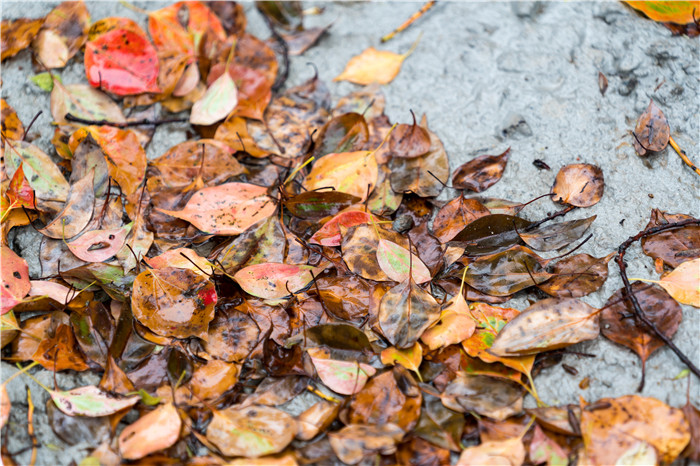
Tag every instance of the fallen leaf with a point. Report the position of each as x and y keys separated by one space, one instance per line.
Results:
x=675 y=246
x=576 y=276
x=330 y=233
x=62 y=35
x=343 y=377
x=548 y=324
x=274 y=280
x=352 y=173
x=14 y=283
x=83 y=101
x=454 y=216
x=155 y=431
x=674 y=12
x=18 y=34
x=507 y=272
x=490 y=234
x=352 y=443
x=557 y=235
x=509 y=452
x=682 y=283
x=409 y=141
x=405 y=312
x=99 y=245
x=455 y=325
x=76 y=213
x=481 y=172
x=398 y=264
x=409 y=358
x=91 y=401
x=319 y=204
x=579 y=185
x=487 y=396
x=373 y=66
x=217 y=102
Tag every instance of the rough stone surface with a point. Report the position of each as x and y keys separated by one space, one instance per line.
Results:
x=489 y=76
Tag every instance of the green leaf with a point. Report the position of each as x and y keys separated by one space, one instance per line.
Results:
x=44 y=81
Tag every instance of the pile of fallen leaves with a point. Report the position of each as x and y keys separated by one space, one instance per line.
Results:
x=293 y=249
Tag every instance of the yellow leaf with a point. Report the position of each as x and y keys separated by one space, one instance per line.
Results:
x=374 y=66
x=348 y=172
x=409 y=358
x=683 y=283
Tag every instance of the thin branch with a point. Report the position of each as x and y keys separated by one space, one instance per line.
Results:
x=128 y=124
x=559 y=213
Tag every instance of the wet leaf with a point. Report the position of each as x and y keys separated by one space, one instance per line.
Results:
x=63 y=33
x=579 y=185
x=490 y=234
x=217 y=102
x=18 y=34
x=557 y=418
x=251 y=432
x=122 y=61
x=454 y=216
x=576 y=276
x=409 y=358
x=390 y=397
x=60 y=351
x=652 y=131
x=319 y=204
x=352 y=173
x=227 y=209
x=254 y=89
x=232 y=336
x=486 y=396
x=359 y=246
x=481 y=172
x=174 y=302
x=91 y=431
x=330 y=233
x=345 y=133
x=692 y=417
x=261 y=243
x=15 y=284
x=405 y=312
x=275 y=280
x=316 y=419
x=90 y=401
x=507 y=272
x=99 y=245
x=373 y=66
x=343 y=377
x=546 y=325
x=509 y=452
x=618 y=324
x=181 y=258
x=76 y=213
x=383 y=200
x=411 y=175
x=490 y=321
x=557 y=235
x=673 y=246
x=439 y=425
x=609 y=432
x=409 y=141
x=455 y=325
x=682 y=283
x=398 y=264
x=155 y=431
x=352 y=443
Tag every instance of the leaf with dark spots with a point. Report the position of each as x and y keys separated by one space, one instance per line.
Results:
x=480 y=173
x=14 y=279
x=507 y=272
x=556 y=236
x=263 y=242
x=60 y=351
x=672 y=246
x=454 y=216
x=405 y=312
x=319 y=204
x=342 y=339
x=353 y=173
x=343 y=377
x=76 y=213
x=18 y=34
x=439 y=425
x=232 y=335
x=546 y=325
x=99 y=245
x=344 y=133
x=652 y=131
x=490 y=234
x=579 y=185
x=618 y=323
x=347 y=298
x=275 y=280
x=122 y=61
x=174 y=302
x=576 y=276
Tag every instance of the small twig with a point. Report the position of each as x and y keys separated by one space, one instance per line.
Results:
x=681 y=153
x=414 y=17
x=128 y=124
x=559 y=213
x=31 y=123
x=629 y=294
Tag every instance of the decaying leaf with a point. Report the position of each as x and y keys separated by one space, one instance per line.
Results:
x=352 y=173
x=344 y=377
x=674 y=246
x=399 y=264
x=354 y=442
x=576 y=276
x=487 y=396
x=90 y=401
x=14 y=279
x=273 y=280
x=18 y=34
x=556 y=236
x=405 y=312
x=509 y=452
x=481 y=172
x=579 y=185
x=548 y=324
x=507 y=272
x=455 y=324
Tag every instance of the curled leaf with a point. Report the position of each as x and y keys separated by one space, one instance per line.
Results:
x=579 y=185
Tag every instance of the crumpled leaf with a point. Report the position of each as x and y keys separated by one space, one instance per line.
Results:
x=226 y=209
x=481 y=172
x=63 y=33
x=610 y=431
x=652 y=131
x=682 y=283
x=548 y=324
x=343 y=377
x=579 y=184
x=354 y=442
x=155 y=431
x=251 y=432
x=174 y=302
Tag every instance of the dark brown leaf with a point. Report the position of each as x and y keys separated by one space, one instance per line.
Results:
x=481 y=172
x=673 y=246
x=652 y=131
x=576 y=276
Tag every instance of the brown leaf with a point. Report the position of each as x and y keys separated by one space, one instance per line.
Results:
x=455 y=215
x=673 y=246
x=359 y=248
x=481 y=172
x=556 y=236
x=619 y=325
x=579 y=185
x=354 y=442
x=507 y=272
x=610 y=432
x=548 y=324
x=232 y=336
x=692 y=417
x=405 y=312
x=487 y=396
x=409 y=141
x=316 y=419
x=576 y=276
x=652 y=131
x=507 y=452
x=76 y=213
x=60 y=352
x=344 y=133
x=682 y=283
